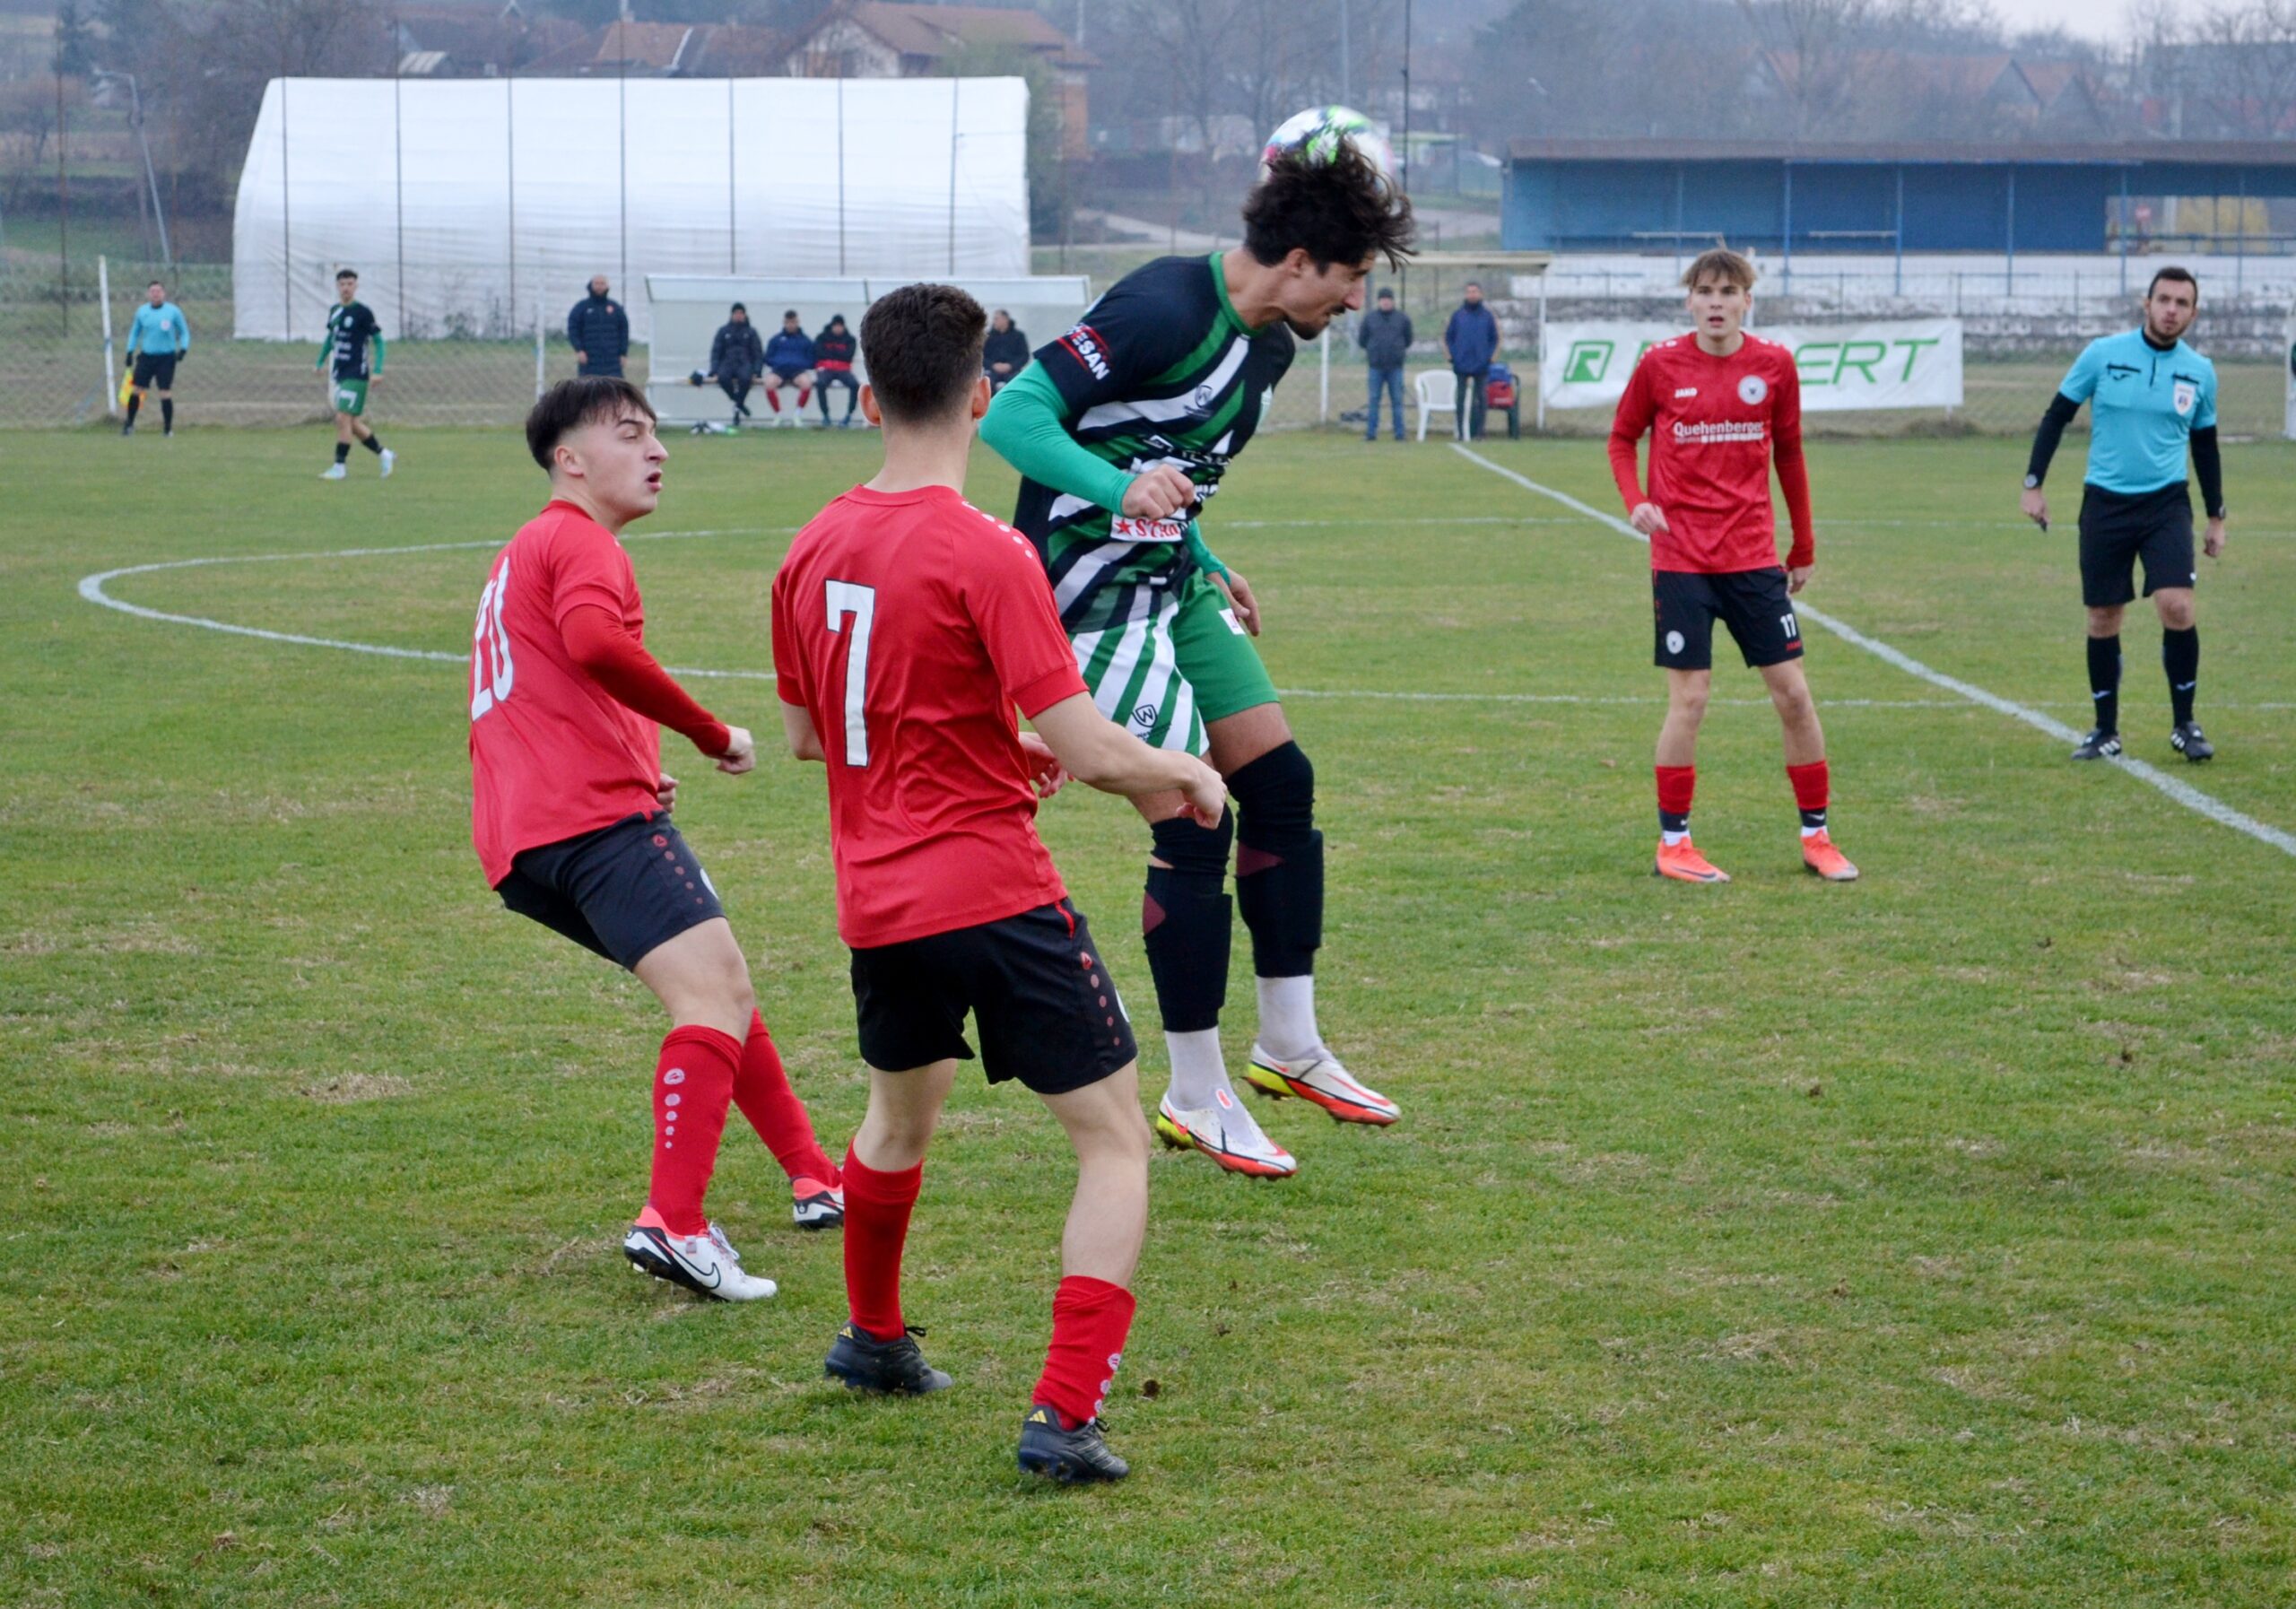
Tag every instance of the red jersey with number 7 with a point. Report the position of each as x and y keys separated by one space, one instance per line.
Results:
x=1715 y=424
x=552 y=754
x=909 y=625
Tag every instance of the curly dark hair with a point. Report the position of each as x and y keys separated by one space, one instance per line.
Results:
x=1341 y=211
x=922 y=343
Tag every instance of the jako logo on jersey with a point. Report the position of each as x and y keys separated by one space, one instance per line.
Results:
x=1084 y=345
x=1752 y=389
x=1683 y=391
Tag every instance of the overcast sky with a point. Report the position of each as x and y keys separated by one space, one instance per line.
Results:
x=2097 y=19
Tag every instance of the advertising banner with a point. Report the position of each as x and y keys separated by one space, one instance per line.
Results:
x=1896 y=363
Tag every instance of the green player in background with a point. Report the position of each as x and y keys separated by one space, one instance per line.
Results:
x=350 y=330
x=1122 y=429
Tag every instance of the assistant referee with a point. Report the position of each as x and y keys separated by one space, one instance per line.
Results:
x=157 y=341
x=2152 y=398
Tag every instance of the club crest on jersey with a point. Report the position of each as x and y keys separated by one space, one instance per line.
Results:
x=1752 y=389
x=2184 y=395
x=1084 y=345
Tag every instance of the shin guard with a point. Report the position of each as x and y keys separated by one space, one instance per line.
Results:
x=1186 y=921
x=1279 y=862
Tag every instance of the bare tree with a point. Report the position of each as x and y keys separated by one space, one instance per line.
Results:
x=2250 y=72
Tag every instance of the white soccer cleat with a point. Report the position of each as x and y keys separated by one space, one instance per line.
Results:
x=1319 y=1077
x=706 y=1264
x=1227 y=1134
x=389 y=458
x=335 y=472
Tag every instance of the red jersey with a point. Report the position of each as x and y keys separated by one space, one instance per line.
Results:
x=552 y=754
x=1714 y=423
x=908 y=625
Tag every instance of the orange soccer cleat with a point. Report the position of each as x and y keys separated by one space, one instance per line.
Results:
x=1685 y=864
x=1820 y=855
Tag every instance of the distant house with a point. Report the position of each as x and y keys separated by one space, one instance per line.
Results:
x=460 y=41
x=877 y=38
x=667 y=50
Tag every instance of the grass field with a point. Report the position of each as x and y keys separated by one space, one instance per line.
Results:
x=1925 y=1241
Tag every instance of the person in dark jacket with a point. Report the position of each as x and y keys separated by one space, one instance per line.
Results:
x=789 y=355
x=737 y=358
x=1471 y=341
x=598 y=330
x=833 y=351
x=1385 y=336
x=1007 y=352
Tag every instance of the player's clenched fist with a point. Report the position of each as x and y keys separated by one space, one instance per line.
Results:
x=1647 y=518
x=1158 y=492
x=740 y=753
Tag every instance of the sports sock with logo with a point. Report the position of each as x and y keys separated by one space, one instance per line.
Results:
x=341 y=451
x=1091 y=1319
x=2104 y=681
x=877 y=1206
x=1810 y=785
x=2180 y=657
x=1199 y=1071
x=1677 y=784
x=167 y=413
x=693 y=1081
x=135 y=401
x=761 y=1089
x=1287 y=1015
x=373 y=444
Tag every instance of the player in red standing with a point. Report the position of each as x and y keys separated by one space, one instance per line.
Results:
x=907 y=626
x=1718 y=404
x=570 y=815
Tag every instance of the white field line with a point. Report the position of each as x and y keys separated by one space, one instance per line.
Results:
x=2182 y=792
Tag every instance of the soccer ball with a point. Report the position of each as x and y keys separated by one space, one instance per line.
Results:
x=1316 y=133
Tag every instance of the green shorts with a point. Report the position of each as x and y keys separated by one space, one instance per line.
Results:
x=1188 y=663
x=349 y=396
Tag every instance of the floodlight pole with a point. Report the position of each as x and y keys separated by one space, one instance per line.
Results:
x=151 y=177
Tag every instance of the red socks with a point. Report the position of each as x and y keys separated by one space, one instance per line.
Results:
x=1091 y=1319
x=804 y=395
x=1810 y=785
x=876 y=1225
x=761 y=1089
x=693 y=1081
x=1677 y=784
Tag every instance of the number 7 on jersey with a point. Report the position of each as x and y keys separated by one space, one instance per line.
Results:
x=860 y=603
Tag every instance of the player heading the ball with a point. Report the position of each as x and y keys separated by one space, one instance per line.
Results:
x=570 y=815
x=1124 y=429
x=1718 y=404
x=908 y=625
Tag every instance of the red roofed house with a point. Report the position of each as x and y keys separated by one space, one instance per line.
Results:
x=879 y=39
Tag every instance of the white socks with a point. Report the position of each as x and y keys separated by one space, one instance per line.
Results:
x=1198 y=1072
x=1287 y=1016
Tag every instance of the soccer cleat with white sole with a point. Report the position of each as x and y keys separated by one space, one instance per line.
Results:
x=335 y=472
x=1228 y=1136
x=1319 y=1077
x=388 y=458
x=706 y=1264
x=815 y=1204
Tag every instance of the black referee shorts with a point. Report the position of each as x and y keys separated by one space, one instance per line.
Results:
x=2117 y=529
x=155 y=371
x=1037 y=988
x=623 y=890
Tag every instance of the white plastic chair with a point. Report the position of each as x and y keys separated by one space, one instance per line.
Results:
x=1438 y=393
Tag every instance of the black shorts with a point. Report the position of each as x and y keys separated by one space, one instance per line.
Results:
x=786 y=377
x=155 y=371
x=1037 y=987
x=2117 y=529
x=622 y=891
x=1753 y=603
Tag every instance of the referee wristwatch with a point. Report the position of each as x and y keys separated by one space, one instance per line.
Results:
x=2032 y=483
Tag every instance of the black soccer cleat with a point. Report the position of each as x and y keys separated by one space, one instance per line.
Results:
x=2099 y=745
x=1069 y=1457
x=2187 y=739
x=893 y=1367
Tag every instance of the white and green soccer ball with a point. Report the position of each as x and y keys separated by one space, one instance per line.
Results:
x=1316 y=133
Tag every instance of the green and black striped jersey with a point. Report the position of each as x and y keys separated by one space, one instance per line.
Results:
x=1161 y=371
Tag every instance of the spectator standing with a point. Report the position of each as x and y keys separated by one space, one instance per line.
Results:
x=1007 y=352
x=1470 y=341
x=598 y=330
x=833 y=351
x=1385 y=336
x=789 y=356
x=156 y=342
x=737 y=356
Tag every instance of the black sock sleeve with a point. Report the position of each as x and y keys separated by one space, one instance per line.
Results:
x=2060 y=412
x=2209 y=465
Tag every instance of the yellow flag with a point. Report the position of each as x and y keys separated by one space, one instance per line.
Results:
x=126 y=383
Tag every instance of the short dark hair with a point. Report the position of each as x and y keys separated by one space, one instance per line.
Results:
x=736 y=307
x=922 y=344
x=344 y=274
x=161 y=283
x=1344 y=210
x=788 y=312
x=2181 y=275
x=570 y=404
x=1387 y=293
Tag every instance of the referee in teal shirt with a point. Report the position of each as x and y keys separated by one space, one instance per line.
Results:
x=2151 y=400
x=157 y=341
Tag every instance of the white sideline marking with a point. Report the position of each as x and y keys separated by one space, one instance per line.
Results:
x=2182 y=792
